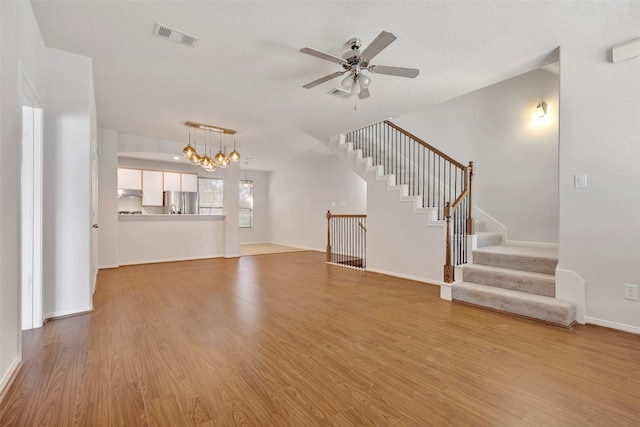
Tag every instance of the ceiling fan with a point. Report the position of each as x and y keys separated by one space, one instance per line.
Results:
x=355 y=62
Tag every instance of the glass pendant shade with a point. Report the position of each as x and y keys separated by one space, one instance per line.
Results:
x=355 y=88
x=347 y=82
x=188 y=151
x=195 y=159
x=205 y=161
x=220 y=157
x=363 y=80
x=234 y=156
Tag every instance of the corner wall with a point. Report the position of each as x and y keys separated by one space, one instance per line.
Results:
x=67 y=201
x=22 y=54
x=107 y=198
x=600 y=137
x=300 y=195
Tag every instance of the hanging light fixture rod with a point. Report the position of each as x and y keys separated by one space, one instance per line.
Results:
x=210 y=127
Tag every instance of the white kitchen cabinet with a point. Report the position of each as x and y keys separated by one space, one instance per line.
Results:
x=151 y=188
x=172 y=181
x=130 y=179
x=189 y=182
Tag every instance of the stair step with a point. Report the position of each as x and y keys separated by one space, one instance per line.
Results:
x=487 y=238
x=527 y=258
x=534 y=306
x=506 y=278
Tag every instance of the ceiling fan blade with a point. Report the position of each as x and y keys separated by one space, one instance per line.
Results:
x=323 y=79
x=322 y=55
x=364 y=93
x=383 y=40
x=395 y=71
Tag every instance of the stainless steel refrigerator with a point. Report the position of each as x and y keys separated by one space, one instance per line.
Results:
x=180 y=202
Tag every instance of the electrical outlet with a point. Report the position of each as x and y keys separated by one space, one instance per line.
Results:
x=631 y=292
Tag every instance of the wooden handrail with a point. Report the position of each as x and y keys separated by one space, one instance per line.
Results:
x=421 y=142
x=330 y=215
x=450 y=210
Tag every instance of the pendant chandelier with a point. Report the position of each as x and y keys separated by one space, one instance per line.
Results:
x=207 y=161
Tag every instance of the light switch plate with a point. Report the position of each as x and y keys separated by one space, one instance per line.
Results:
x=580 y=181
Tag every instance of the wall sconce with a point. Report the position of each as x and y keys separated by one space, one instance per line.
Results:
x=541 y=109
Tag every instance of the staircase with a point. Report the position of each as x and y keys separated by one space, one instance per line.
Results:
x=517 y=279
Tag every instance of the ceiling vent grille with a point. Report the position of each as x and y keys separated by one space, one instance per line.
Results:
x=174 y=35
x=339 y=93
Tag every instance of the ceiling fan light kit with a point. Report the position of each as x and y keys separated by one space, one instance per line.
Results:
x=354 y=62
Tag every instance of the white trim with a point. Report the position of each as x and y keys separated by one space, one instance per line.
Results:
x=299 y=247
x=155 y=261
x=613 y=325
x=254 y=243
x=446 y=291
x=534 y=244
x=571 y=287
x=6 y=378
x=408 y=277
x=104 y=267
x=498 y=224
x=232 y=256
x=33 y=287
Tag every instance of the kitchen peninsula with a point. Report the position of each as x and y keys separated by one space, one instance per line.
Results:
x=160 y=238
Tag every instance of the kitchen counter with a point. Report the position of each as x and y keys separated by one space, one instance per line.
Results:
x=161 y=238
x=142 y=216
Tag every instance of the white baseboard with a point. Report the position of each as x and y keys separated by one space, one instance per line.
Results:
x=232 y=256
x=613 y=325
x=254 y=243
x=408 y=277
x=298 y=247
x=155 y=261
x=104 y=267
x=6 y=377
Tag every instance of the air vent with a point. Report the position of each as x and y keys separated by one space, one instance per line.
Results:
x=174 y=35
x=339 y=93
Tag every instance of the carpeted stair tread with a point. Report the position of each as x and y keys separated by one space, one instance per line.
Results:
x=534 y=306
x=506 y=278
x=526 y=258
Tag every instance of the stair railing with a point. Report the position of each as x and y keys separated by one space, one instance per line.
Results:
x=347 y=240
x=437 y=178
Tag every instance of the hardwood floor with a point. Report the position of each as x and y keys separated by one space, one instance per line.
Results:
x=286 y=340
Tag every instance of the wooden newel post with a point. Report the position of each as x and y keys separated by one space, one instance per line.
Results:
x=470 y=221
x=328 y=254
x=448 y=266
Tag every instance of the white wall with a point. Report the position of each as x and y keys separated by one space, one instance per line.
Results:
x=600 y=137
x=300 y=195
x=259 y=233
x=515 y=154
x=107 y=198
x=68 y=184
x=22 y=54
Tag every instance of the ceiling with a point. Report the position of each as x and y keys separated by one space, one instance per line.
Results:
x=246 y=73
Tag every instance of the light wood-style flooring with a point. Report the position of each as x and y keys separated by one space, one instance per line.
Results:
x=287 y=340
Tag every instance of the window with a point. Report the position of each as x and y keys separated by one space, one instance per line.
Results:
x=210 y=196
x=246 y=204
